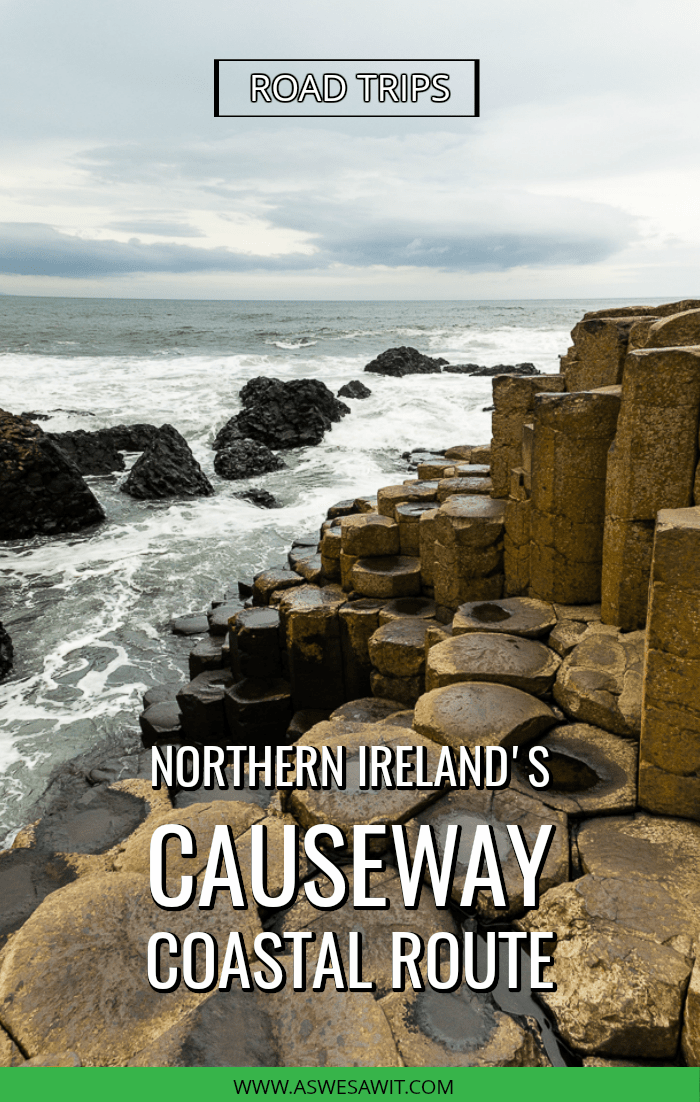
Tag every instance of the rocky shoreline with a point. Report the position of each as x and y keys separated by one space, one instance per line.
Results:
x=541 y=590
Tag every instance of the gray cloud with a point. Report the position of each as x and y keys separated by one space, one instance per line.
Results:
x=31 y=248
x=155 y=228
x=37 y=249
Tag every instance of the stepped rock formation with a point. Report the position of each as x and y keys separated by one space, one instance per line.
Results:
x=450 y=627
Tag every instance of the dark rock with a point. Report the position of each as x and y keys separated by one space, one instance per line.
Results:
x=159 y=694
x=258 y=712
x=499 y=369
x=342 y=509
x=228 y=1030
x=207 y=655
x=42 y=491
x=194 y=623
x=202 y=706
x=245 y=587
x=167 y=468
x=98 y=452
x=303 y=720
x=26 y=878
x=354 y=389
x=36 y=416
x=404 y=361
x=293 y=414
x=420 y=455
x=262 y=498
x=228 y=436
x=101 y=817
x=219 y=617
x=508 y=369
x=246 y=458
x=90 y=451
x=159 y=722
x=6 y=653
x=130 y=438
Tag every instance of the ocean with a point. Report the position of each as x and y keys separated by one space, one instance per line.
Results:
x=89 y=613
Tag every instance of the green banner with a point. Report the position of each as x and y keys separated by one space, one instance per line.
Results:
x=507 y=1084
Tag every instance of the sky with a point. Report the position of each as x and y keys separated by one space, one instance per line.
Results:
x=580 y=178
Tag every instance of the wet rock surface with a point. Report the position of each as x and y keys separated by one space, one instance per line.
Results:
x=354 y=389
x=42 y=491
x=600 y=682
x=6 y=652
x=230 y=1029
x=294 y=414
x=461 y=1028
x=246 y=458
x=262 y=498
x=167 y=468
x=85 y=947
x=592 y=772
x=482 y=714
x=481 y=656
x=404 y=361
x=513 y=615
x=92 y=452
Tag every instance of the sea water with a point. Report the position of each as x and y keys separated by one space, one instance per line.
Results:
x=89 y=613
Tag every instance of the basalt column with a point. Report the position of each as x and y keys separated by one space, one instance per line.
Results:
x=651 y=466
x=572 y=435
x=669 y=762
x=513 y=401
x=311 y=632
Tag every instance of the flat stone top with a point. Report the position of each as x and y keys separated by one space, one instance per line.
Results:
x=402 y=631
x=306 y=598
x=368 y=709
x=474 y=506
x=592 y=772
x=514 y=615
x=422 y=607
x=252 y=618
x=484 y=656
x=352 y=804
x=389 y=564
x=481 y=714
x=366 y=520
x=412 y=510
x=644 y=847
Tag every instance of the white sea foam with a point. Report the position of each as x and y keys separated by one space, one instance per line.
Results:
x=89 y=613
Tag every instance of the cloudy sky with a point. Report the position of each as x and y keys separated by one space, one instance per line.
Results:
x=580 y=178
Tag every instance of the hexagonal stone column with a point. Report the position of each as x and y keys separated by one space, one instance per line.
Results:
x=572 y=435
x=651 y=466
x=397 y=653
x=311 y=630
x=669 y=767
x=468 y=551
x=387 y=576
x=503 y=659
x=513 y=399
x=358 y=621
